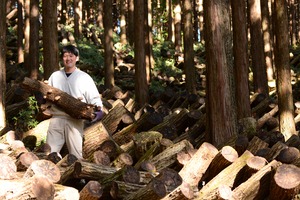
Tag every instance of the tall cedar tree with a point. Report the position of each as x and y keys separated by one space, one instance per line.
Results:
x=50 y=38
x=77 y=18
x=257 y=49
x=220 y=94
x=108 y=45
x=34 y=39
x=189 y=67
x=284 y=87
x=20 y=32
x=141 y=86
x=2 y=62
x=241 y=58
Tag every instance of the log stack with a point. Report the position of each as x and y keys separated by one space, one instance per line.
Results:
x=157 y=155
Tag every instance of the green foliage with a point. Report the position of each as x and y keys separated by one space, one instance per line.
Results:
x=26 y=119
x=163 y=53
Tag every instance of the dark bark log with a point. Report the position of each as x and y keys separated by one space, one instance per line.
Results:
x=91 y=191
x=286 y=182
x=226 y=156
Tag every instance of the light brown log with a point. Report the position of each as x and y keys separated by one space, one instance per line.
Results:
x=43 y=167
x=225 y=177
x=25 y=160
x=286 y=182
x=257 y=186
x=8 y=167
x=42 y=187
x=94 y=135
x=194 y=169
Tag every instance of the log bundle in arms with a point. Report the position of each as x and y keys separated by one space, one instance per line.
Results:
x=72 y=106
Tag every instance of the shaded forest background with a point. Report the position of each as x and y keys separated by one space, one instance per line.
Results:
x=174 y=49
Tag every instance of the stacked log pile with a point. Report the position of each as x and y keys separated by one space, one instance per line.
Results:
x=157 y=152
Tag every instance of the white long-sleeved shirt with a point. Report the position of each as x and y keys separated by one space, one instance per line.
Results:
x=79 y=84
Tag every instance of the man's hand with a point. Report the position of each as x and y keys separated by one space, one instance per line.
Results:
x=98 y=116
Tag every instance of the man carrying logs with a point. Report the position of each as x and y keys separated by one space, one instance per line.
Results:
x=63 y=128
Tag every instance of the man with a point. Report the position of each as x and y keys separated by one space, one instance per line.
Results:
x=63 y=128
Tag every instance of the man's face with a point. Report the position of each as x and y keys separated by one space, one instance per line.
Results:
x=69 y=60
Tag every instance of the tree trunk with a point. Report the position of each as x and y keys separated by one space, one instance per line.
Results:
x=34 y=39
x=257 y=49
x=284 y=87
x=241 y=58
x=141 y=83
x=221 y=111
x=2 y=63
x=108 y=45
x=50 y=38
x=188 y=38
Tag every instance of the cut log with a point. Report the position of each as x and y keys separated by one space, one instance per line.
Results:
x=169 y=156
x=257 y=186
x=121 y=189
x=288 y=155
x=195 y=168
x=225 y=177
x=144 y=140
x=182 y=192
x=275 y=150
x=94 y=135
x=241 y=144
x=92 y=171
x=101 y=158
x=253 y=165
x=113 y=118
x=122 y=160
x=256 y=144
x=25 y=160
x=72 y=106
x=42 y=187
x=8 y=167
x=286 y=182
x=43 y=167
x=91 y=191
x=226 y=156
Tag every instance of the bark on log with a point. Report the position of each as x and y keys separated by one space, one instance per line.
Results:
x=94 y=135
x=257 y=186
x=182 y=192
x=121 y=189
x=286 y=182
x=226 y=156
x=225 y=177
x=169 y=156
x=256 y=144
x=72 y=106
x=195 y=168
x=113 y=118
x=92 y=171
